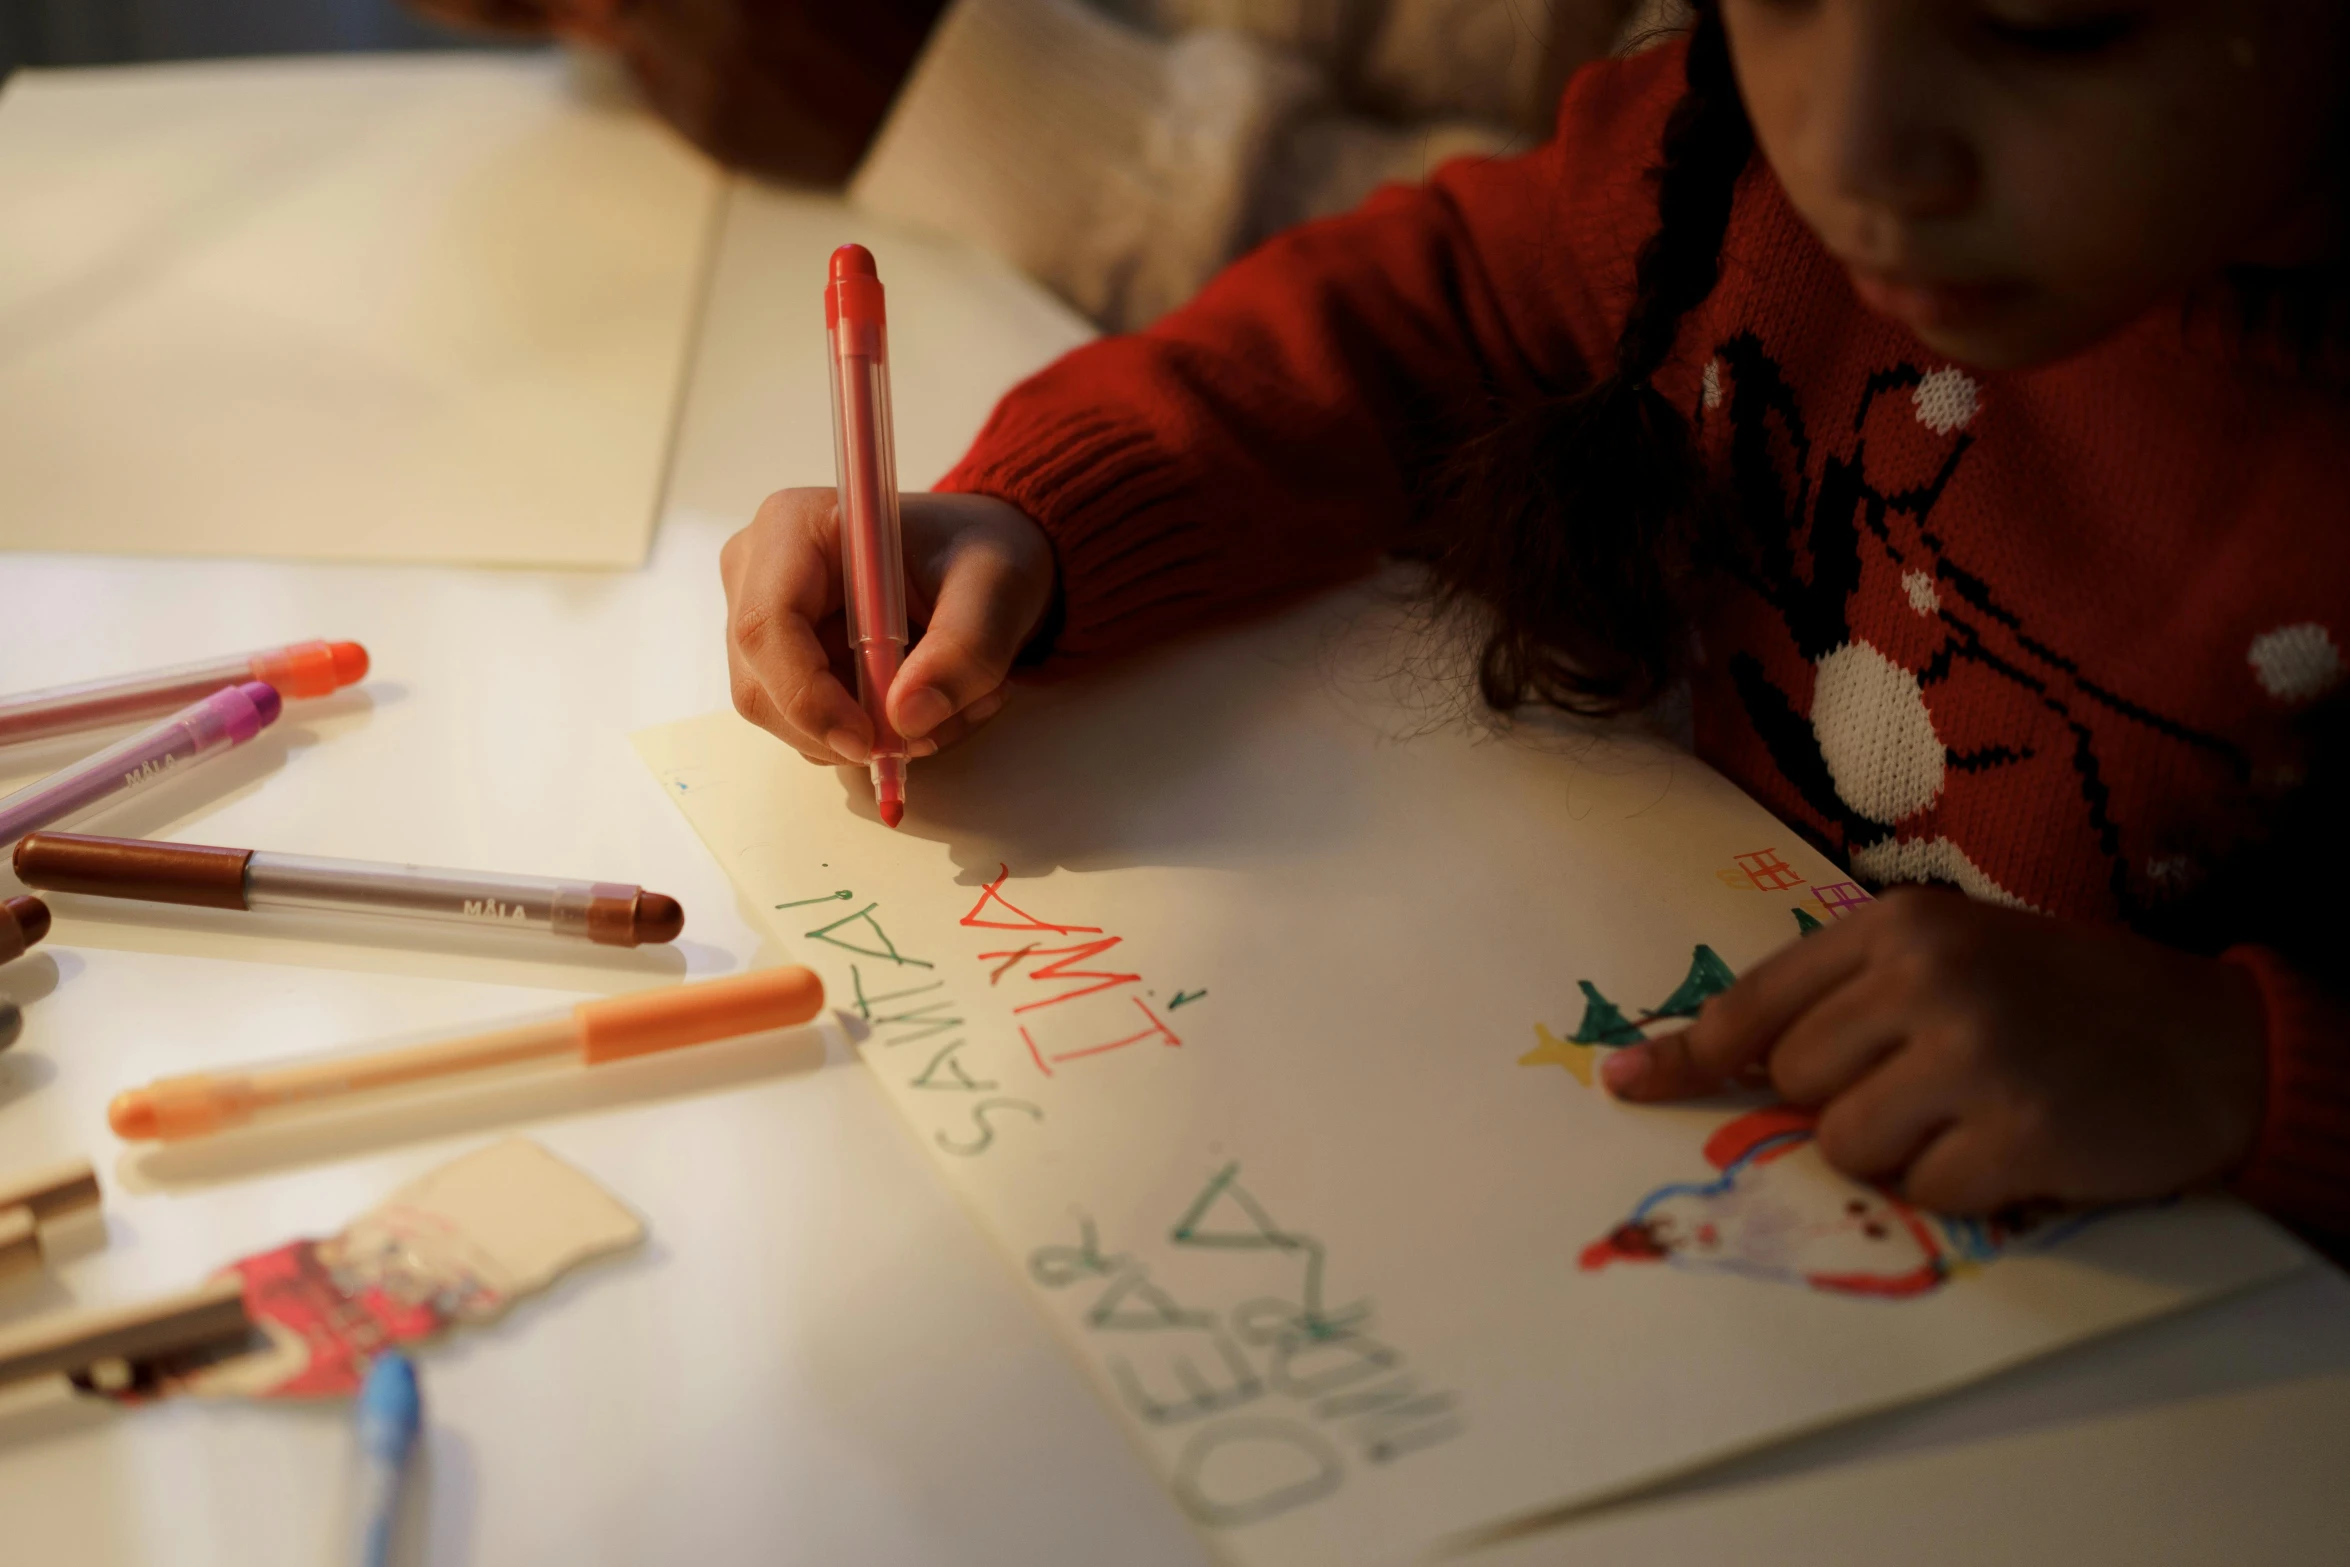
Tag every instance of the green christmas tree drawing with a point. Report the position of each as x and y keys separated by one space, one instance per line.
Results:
x=1708 y=977
x=1605 y=1023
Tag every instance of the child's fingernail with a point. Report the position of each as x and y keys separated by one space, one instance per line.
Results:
x=924 y=711
x=921 y=748
x=846 y=743
x=1625 y=1070
x=986 y=707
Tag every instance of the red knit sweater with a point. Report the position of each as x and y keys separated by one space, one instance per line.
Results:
x=2042 y=635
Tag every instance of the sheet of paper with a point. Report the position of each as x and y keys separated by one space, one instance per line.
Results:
x=2252 y=1478
x=405 y=308
x=1251 y=997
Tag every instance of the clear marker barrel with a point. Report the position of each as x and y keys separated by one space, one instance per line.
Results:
x=872 y=549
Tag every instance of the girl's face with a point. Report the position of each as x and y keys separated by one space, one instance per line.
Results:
x=2015 y=179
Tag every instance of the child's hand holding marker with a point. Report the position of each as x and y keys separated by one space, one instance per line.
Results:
x=1975 y=1056
x=864 y=555
x=980 y=578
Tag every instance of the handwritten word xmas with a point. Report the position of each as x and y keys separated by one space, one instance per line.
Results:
x=1070 y=1004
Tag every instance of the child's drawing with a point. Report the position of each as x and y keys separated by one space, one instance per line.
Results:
x=1767 y=871
x=1775 y=1211
x=1760 y=870
x=1606 y=1027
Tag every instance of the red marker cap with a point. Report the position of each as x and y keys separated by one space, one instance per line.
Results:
x=854 y=293
x=309 y=669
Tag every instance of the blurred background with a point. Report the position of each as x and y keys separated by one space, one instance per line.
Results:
x=95 y=32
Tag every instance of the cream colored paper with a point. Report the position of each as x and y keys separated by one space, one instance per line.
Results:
x=420 y=308
x=2250 y=1478
x=1258 y=1062
x=476 y=1235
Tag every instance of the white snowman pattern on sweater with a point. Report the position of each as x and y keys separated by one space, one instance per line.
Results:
x=1887 y=762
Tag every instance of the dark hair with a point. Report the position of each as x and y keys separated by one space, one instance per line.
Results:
x=2295 y=321
x=793 y=91
x=2298 y=318
x=1576 y=521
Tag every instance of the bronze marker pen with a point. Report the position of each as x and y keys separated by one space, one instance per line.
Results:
x=609 y=913
x=23 y=922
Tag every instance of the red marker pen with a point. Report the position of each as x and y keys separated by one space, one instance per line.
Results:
x=872 y=554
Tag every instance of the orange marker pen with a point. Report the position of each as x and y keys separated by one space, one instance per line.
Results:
x=593 y=1032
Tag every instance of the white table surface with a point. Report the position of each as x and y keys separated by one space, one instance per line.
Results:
x=816 y=1358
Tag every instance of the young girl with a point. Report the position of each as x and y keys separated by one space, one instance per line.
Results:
x=1950 y=393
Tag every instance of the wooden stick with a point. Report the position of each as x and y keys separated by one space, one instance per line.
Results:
x=20 y=1242
x=44 y=1197
x=202 y=1325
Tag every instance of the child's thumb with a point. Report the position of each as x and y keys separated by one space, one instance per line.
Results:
x=1671 y=1067
x=977 y=627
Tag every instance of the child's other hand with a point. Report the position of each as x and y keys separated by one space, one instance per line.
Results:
x=1973 y=1056
x=979 y=576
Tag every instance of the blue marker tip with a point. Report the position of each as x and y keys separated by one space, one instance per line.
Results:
x=391 y=1410
x=390 y=1407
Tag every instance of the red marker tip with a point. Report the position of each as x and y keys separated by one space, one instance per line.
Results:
x=892 y=812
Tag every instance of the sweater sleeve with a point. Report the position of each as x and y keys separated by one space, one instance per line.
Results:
x=1274 y=436
x=2300 y=1167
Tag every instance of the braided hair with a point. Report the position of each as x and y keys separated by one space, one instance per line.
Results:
x=1575 y=522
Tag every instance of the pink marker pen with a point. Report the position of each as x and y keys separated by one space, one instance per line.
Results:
x=223 y=719
x=872 y=554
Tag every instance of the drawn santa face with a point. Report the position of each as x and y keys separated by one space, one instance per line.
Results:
x=1778 y=1212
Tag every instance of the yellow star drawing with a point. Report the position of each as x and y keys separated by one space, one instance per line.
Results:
x=1550 y=1050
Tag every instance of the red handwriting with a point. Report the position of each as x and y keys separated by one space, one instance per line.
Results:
x=992 y=896
x=1157 y=1030
x=1075 y=1033
x=1062 y=970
